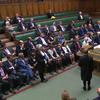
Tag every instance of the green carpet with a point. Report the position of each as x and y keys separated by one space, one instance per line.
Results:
x=69 y=80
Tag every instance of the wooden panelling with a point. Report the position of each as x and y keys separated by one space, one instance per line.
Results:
x=32 y=7
x=90 y=6
x=16 y=8
x=3 y=11
x=23 y=9
x=29 y=8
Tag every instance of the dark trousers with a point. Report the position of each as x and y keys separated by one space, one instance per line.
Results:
x=41 y=74
x=85 y=83
x=5 y=86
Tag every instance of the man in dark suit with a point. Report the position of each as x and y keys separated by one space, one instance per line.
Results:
x=40 y=65
x=60 y=27
x=80 y=16
x=81 y=31
x=5 y=80
x=46 y=30
x=13 y=74
x=17 y=19
x=50 y=14
x=30 y=47
x=41 y=39
x=89 y=21
x=8 y=51
x=31 y=24
x=20 y=48
x=86 y=66
x=97 y=38
x=97 y=26
x=22 y=26
x=76 y=47
x=71 y=29
x=53 y=28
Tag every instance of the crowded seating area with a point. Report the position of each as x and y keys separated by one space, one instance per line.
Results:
x=44 y=49
x=43 y=45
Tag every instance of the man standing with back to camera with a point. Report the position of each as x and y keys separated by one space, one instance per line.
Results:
x=86 y=65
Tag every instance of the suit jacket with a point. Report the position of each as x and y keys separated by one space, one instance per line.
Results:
x=9 y=66
x=19 y=50
x=70 y=27
x=61 y=28
x=86 y=65
x=49 y=15
x=31 y=25
x=81 y=32
x=97 y=39
x=80 y=17
x=39 y=41
x=15 y=19
x=75 y=48
x=22 y=26
x=10 y=50
x=53 y=28
x=30 y=47
x=97 y=27
x=46 y=30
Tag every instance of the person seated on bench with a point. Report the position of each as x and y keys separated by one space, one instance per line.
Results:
x=60 y=27
x=89 y=21
x=20 y=48
x=17 y=18
x=87 y=41
x=7 y=21
x=80 y=16
x=50 y=14
x=97 y=38
x=22 y=26
x=97 y=26
x=8 y=51
x=8 y=24
x=31 y=24
x=76 y=46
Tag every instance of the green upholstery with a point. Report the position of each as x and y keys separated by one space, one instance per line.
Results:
x=81 y=41
x=64 y=20
x=61 y=14
x=1 y=54
x=42 y=17
x=1 y=25
x=50 y=22
x=25 y=36
x=66 y=36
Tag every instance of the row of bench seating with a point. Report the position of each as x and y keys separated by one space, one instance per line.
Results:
x=50 y=22
x=43 y=17
x=33 y=33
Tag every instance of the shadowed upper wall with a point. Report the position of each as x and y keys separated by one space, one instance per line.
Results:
x=33 y=7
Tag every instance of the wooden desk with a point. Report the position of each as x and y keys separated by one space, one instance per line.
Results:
x=95 y=53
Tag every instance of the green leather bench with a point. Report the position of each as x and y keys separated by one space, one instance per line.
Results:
x=25 y=36
x=64 y=20
x=61 y=14
x=50 y=22
x=33 y=34
x=1 y=25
